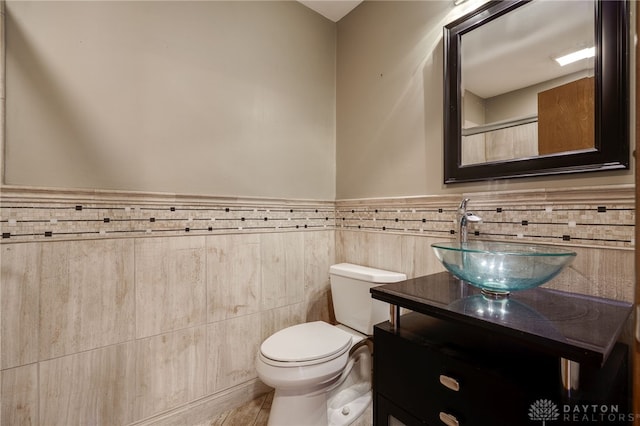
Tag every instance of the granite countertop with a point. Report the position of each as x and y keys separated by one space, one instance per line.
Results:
x=573 y=326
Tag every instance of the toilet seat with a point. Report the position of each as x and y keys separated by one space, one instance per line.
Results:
x=305 y=344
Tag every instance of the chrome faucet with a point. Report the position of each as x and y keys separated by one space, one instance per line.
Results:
x=464 y=217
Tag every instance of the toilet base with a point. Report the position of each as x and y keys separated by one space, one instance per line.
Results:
x=300 y=410
x=290 y=409
x=348 y=412
x=337 y=402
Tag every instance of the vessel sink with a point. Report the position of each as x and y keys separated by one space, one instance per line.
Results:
x=500 y=268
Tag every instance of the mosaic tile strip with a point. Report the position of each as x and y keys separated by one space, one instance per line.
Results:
x=596 y=224
x=47 y=220
x=601 y=218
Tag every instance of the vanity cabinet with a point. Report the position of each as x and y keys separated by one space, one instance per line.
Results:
x=447 y=366
x=430 y=371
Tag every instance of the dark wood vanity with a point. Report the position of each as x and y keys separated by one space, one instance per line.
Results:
x=460 y=358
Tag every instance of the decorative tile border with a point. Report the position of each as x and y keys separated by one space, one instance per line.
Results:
x=36 y=215
x=596 y=217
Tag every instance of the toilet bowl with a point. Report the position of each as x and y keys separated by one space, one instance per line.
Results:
x=303 y=356
x=322 y=372
x=306 y=364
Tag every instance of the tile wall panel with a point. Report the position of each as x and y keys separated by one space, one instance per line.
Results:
x=19 y=396
x=170 y=284
x=170 y=370
x=88 y=388
x=273 y=320
x=599 y=272
x=282 y=269
x=77 y=311
x=20 y=304
x=231 y=352
x=234 y=278
x=409 y=254
x=319 y=252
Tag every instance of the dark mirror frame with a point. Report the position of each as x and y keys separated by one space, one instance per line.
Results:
x=611 y=100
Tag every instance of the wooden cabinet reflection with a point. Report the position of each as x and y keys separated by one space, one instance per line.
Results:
x=566 y=117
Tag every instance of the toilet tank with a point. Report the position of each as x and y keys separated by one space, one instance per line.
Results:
x=352 y=302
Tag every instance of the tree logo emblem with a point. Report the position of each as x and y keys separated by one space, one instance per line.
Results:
x=543 y=410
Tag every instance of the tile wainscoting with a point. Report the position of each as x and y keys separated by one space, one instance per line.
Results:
x=126 y=308
x=111 y=322
x=596 y=217
x=597 y=222
x=34 y=215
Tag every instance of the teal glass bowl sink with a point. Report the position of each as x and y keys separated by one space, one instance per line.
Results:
x=500 y=268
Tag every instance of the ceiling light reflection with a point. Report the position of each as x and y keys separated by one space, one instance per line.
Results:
x=589 y=52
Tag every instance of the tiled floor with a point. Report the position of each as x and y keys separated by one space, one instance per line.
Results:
x=256 y=413
x=253 y=413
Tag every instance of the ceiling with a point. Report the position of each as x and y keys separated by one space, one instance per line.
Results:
x=331 y=9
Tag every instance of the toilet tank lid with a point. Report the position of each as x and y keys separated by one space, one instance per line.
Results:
x=364 y=273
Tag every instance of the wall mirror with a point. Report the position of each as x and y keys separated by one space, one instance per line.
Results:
x=514 y=106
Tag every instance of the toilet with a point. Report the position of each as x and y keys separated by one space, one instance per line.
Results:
x=322 y=372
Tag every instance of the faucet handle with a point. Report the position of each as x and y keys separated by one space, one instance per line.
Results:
x=473 y=218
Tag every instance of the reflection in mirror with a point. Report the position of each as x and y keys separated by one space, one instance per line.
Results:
x=515 y=106
x=518 y=101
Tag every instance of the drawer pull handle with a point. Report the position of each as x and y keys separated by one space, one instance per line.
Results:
x=450 y=382
x=448 y=419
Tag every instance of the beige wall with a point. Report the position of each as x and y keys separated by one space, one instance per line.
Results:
x=389 y=105
x=224 y=98
x=234 y=98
